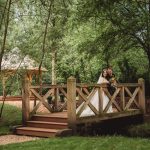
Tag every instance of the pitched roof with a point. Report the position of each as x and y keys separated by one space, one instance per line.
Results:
x=14 y=60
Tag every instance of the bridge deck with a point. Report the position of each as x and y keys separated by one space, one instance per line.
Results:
x=98 y=118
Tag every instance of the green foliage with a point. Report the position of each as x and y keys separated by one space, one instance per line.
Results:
x=11 y=116
x=142 y=130
x=87 y=36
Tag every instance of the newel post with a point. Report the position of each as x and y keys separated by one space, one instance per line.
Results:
x=71 y=102
x=25 y=99
x=142 y=95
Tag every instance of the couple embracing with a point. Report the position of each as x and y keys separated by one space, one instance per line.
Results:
x=108 y=77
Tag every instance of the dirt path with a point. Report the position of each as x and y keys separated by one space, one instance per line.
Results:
x=7 y=139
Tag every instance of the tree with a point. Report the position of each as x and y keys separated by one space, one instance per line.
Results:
x=4 y=22
x=128 y=22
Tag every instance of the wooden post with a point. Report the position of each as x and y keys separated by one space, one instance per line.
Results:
x=142 y=95
x=100 y=91
x=56 y=92
x=25 y=100
x=122 y=97
x=71 y=102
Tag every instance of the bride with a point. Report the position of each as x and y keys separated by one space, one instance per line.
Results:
x=95 y=98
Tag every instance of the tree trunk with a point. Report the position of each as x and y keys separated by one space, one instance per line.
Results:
x=148 y=55
x=5 y=32
x=53 y=66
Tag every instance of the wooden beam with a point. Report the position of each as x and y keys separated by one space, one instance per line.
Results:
x=42 y=99
x=86 y=91
x=127 y=85
x=87 y=102
x=25 y=100
x=100 y=91
x=110 y=97
x=122 y=97
x=71 y=102
x=132 y=98
x=142 y=95
x=112 y=100
x=35 y=109
x=108 y=116
x=49 y=93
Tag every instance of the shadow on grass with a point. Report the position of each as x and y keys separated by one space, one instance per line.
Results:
x=127 y=126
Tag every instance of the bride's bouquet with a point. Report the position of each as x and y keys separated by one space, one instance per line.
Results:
x=113 y=81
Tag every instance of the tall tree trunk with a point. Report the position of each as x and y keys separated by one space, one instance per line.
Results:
x=44 y=38
x=54 y=55
x=3 y=47
x=5 y=32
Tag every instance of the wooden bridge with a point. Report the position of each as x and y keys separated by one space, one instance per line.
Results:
x=62 y=101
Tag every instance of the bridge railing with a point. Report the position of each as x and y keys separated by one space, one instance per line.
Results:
x=53 y=97
x=75 y=98
x=126 y=97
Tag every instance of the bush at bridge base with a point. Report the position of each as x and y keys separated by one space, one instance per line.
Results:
x=141 y=130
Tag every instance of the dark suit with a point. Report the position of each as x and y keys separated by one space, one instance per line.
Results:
x=111 y=88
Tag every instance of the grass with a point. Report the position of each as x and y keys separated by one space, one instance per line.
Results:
x=11 y=116
x=83 y=143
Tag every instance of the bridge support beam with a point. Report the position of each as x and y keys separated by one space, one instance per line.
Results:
x=142 y=95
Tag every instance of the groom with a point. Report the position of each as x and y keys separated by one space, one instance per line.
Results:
x=111 y=78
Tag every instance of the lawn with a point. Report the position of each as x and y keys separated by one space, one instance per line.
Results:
x=83 y=143
x=11 y=116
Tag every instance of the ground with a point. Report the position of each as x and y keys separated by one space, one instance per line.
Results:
x=7 y=139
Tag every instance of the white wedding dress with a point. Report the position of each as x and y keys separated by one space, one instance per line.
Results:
x=95 y=101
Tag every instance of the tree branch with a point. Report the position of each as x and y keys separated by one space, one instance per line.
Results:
x=45 y=33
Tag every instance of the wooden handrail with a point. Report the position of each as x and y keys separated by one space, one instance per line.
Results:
x=83 y=85
x=48 y=86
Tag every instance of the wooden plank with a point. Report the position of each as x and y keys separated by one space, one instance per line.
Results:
x=110 y=97
x=71 y=102
x=83 y=85
x=35 y=109
x=14 y=98
x=100 y=91
x=86 y=91
x=48 y=86
x=132 y=98
x=63 y=91
x=142 y=95
x=49 y=93
x=122 y=96
x=129 y=93
x=111 y=100
x=42 y=100
x=117 y=106
x=25 y=100
x=56 y=93
x=87 y=102
x=107 y=116
x=119 y=85
x=65 y=104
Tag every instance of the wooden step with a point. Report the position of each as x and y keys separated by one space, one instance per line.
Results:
x=40 y=132
x=48 y=125
x=49 y=118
